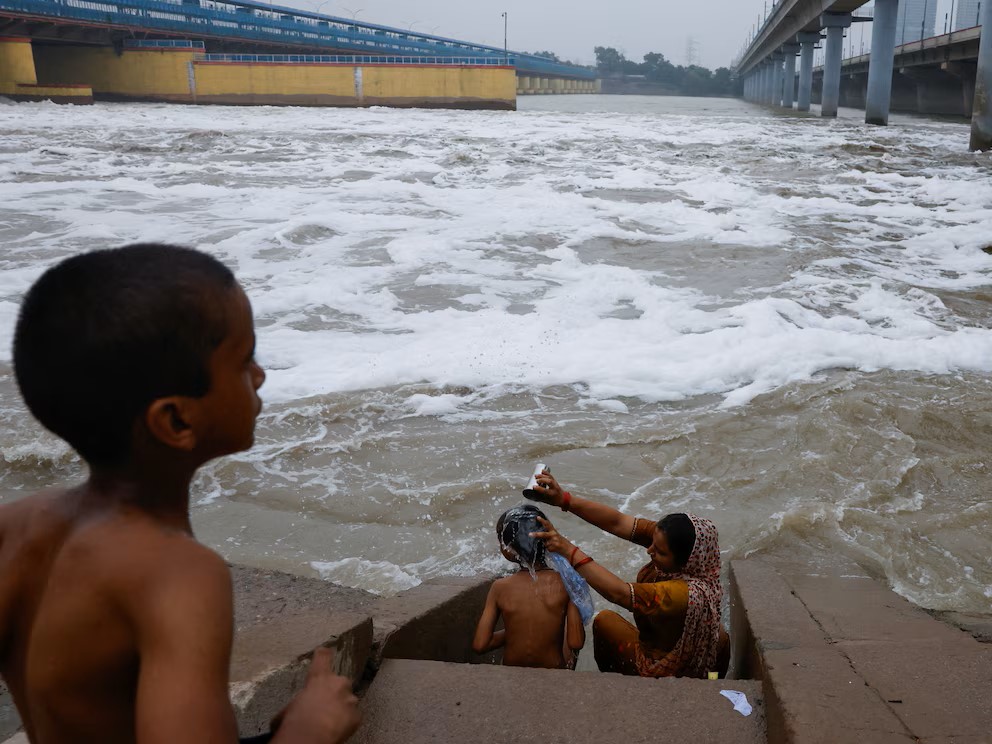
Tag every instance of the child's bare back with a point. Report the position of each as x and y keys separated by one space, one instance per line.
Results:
x=542 y=627
x=534 y=610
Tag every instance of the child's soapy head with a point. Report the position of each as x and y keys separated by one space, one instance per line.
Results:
x=513 y=529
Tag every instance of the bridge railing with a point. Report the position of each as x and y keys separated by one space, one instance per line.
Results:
x=235 y=19
x=349 y=59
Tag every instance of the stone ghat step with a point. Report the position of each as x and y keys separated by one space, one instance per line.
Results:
x=846 y=660
x=428 y=701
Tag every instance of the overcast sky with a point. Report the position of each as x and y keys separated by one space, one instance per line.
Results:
x=571 y=28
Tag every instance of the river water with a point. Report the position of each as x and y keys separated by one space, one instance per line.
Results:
x=773 y=320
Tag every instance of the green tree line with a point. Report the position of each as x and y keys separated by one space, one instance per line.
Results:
x=691 y=80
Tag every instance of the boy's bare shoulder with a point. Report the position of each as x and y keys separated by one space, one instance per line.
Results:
x=116 y=549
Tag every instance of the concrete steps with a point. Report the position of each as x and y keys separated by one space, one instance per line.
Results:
x=828 y=656
x=415 y=702
x=843 y=659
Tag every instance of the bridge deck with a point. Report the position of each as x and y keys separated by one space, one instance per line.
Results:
x=245 y=22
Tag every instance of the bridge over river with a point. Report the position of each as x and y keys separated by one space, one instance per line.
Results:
x=956 y=64
x=275 y=34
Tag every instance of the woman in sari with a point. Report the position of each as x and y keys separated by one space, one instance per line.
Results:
x=675 y=599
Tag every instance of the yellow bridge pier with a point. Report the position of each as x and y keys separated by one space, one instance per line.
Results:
x=19 y=79
x=180 y=71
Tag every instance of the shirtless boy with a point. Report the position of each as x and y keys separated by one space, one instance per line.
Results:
x=542 y=627
x=115 y=623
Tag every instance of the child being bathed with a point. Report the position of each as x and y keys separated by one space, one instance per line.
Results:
x=543 y=627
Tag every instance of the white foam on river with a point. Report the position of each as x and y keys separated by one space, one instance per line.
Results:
x=428 y=264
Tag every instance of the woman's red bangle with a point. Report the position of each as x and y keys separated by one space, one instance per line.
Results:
x=583 y=562
x=566 y=501
x=571 y=556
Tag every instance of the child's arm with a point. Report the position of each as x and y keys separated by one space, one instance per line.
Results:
x=486 y=636
x=183 y=626
x=575 y=632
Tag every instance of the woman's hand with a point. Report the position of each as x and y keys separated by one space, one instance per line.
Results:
x=552 y=538
x=548 y=491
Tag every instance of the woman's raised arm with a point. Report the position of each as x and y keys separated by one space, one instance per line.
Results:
x=605 y=517
x=604 y=581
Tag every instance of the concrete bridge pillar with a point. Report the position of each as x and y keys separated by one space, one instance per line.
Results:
x=904 y=96
x=936 y=91
x=981 y=118
x=835 y=23
x=883 y=45
x=777 y=61
x=766 y=89
x=852 y=90
x=17 y=61
x=807 y=43
x=965 y=72
x=789 y=84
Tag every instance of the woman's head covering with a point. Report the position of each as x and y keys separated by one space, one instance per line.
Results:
x=695 y=653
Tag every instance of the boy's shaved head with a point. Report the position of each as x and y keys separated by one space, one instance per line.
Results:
x=102 y=335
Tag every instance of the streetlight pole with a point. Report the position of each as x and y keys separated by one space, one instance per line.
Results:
x=506 y=53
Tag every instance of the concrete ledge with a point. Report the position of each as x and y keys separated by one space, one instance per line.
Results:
x=979 y=626
x=262 y=596
x=435 y=620
x=844 y=659
x=280 y=619
x=269 y=662
x=32 y=92
x=426 y=701
x=10 y=721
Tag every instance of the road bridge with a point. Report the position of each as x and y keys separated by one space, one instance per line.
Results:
x=796 y=27
x=930 y=76
x=246 y=27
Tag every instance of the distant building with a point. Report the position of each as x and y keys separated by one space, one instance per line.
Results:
x=916 y=20
x=966 y=14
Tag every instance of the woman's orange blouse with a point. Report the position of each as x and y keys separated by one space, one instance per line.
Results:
x=659 y=607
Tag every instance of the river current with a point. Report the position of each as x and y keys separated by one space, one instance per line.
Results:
x=776 y=321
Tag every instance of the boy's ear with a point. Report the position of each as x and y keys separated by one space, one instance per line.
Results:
x=170 y=421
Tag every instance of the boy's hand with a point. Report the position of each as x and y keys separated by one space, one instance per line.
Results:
x=324 y=711
x=548 y=491
x=552 y=538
